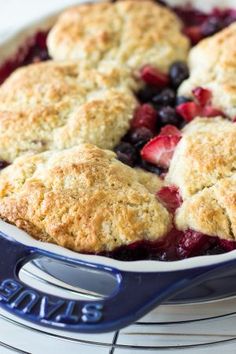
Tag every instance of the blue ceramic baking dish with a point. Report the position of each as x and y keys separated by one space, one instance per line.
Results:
x=137 y=287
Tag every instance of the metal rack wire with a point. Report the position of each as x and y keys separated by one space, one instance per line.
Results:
x=138 y=333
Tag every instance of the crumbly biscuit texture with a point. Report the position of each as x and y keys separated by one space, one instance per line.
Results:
x=205 y=154
x=150 y=180
x=212 y=65
x=54 y=105
x=81 y=198
x=212 y=211
x=131 y=32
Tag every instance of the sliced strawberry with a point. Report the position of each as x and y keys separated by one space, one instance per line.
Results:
x=170 y=130
x=144 y=116
x=170 y=197
x=203 y=96
x=189 y=110
x=160 y=150
x=153 y=76
x=209 y=111
x=194 y=33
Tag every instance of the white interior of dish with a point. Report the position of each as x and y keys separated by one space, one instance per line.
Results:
x=9 y=47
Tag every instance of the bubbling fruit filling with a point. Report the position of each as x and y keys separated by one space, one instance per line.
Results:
x=175 y=246
x=155 y=131
x=33 y=50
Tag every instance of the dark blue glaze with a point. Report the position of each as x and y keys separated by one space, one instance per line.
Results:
x=137 y=293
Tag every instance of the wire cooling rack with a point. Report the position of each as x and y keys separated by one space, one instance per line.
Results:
x=192 y=328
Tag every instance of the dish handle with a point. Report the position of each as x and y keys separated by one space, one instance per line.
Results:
x=137 y=292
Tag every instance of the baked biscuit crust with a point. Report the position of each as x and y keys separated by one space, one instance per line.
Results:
x=211 y=211
x=151 y=181
x=212 y=65
x=131 y=32
x=81 y=198
x=205 y=154
x=53 y=105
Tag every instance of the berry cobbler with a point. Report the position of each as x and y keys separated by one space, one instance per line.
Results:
x=117 y=132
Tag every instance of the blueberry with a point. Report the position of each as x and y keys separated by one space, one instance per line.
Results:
x=140 y=136
x=165 y=98
x=3 y=164
x=151 y=168
x=167 y=115
x=178 y=73
x=44 y=55
x=215 y=250
x=126 y=153
x=147 y=93
x=212 y=25
x=182 y=99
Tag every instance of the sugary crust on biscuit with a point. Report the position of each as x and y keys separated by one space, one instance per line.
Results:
x=131 y=32
x=151 y=181
x=212 y=65
x=81 y=198
x=211 y=211
x=205 y=154
x=54 y=105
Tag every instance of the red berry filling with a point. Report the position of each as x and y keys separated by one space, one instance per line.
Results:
x=189 y=110
x=144 y=116
x=160 y=150
x=153 y=76
x=34 y=49
x=203 y=96
x=199 y=25
x=170 y=130
x=227 y=245
x=170 y=198
x=210 y=111
x=174 y=246
x=194 y=34
x=202 y=107
x=192 y=243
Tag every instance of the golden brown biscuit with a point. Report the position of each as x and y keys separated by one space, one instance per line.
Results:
x=81 y=198
x=211 y=211
x=150 y=180
x=52 y=105
x=131 y=32
x=205 y=154
x=213 y=66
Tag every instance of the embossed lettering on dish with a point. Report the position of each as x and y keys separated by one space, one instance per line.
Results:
x=43 y=308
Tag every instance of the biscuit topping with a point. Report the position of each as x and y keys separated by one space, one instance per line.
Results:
x=213 y=66
x=57 y=105
x=83 y=199
x=130 y=33
x=205 y=154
